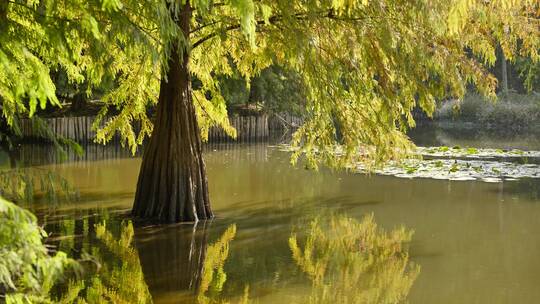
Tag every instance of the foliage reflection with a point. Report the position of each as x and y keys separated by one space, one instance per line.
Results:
x=117 y=280
x=350 y=261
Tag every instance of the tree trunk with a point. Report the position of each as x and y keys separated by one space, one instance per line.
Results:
x=504 y=74
x=3 y=12
x=172 y=185
x=79 y=103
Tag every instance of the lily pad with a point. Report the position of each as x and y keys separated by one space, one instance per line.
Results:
x=475 y=153
x=458 y=170
x=460 y=164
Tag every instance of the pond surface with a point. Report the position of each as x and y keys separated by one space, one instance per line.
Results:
x=474 y=242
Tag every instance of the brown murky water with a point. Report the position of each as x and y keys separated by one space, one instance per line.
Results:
x=475 y=242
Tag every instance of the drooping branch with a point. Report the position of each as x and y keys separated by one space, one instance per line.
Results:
x=37 y=13
x=330 y=14
x=272 y=19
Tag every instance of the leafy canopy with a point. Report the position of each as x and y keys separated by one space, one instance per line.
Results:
x=364 y=64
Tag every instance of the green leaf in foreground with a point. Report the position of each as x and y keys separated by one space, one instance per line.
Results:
x=27 y=271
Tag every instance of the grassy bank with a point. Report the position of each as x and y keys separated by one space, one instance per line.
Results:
x=514 y=111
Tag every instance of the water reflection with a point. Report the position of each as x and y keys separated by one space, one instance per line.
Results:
x=214 y=276
x=120 y=282
x=172 y=258
x=444 y=134
x=343 y=258
x=352 y=261
x=476 y=242
x=28 y=185
x=112 y=269
x=181 y=265
x=41 y=154
x=45 y=154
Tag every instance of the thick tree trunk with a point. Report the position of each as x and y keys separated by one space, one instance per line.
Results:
x=172 y=185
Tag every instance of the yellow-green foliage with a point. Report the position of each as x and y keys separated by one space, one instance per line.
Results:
x=37 y=36
x=27 y=271
x=78 y=37
x=350 y=261
x=364 y=64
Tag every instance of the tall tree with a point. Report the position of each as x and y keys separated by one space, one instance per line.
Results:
x=364 y=66
x=172 y=183
x=504 y=75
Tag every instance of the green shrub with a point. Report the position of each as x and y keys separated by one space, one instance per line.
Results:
x=27 y=271
x=513 y=111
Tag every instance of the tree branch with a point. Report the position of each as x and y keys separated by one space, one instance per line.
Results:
x=31 y=9
x=235 y=27
x=275 y=19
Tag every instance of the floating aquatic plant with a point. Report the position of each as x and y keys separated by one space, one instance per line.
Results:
x=455 y=169
x=470 y=152
x=458 y=163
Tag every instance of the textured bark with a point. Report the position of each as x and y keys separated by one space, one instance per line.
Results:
x=172 y=185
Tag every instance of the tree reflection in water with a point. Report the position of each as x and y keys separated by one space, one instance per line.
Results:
x=181 y=266
x=346 y=261
x=175 y=264
x=350 y=261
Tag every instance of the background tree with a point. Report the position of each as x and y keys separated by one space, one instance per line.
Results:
x=529 y=72
x=273 y=90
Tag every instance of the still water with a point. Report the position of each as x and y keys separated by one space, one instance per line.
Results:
x=473 y=242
